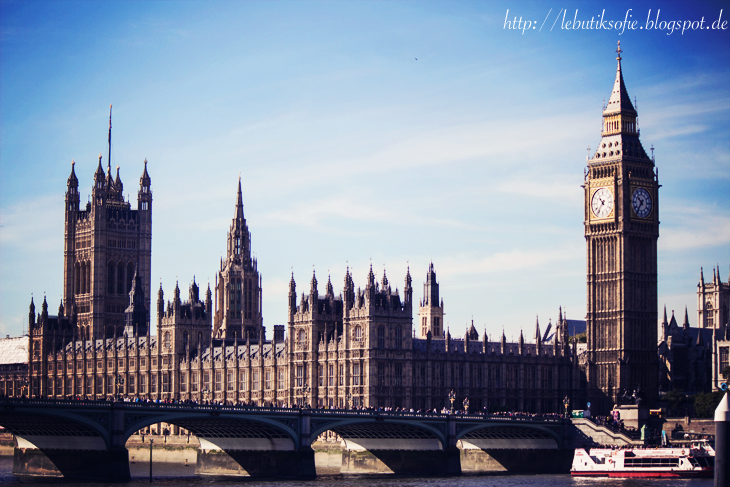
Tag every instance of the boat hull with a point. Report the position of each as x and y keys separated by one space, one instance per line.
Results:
x=654 y=474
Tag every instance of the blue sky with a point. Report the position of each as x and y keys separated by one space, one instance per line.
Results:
x=353 y=151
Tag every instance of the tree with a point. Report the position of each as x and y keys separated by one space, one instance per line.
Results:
x=705 y=404
x=579 y=338
x=675 y=402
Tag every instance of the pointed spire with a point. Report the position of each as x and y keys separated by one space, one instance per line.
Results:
x=313 y=283
x=239 y=201
x=330 y=290
x=99 y=175
x=665 y=322
x=685 y=325
x=702 y=276
x=619 y=100
x=73 y=181
x=384 y=282
x=538 y=335
x=118 y=182
x=371 y=276
x=144 y=180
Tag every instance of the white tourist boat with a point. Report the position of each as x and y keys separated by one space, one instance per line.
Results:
x=697 y=460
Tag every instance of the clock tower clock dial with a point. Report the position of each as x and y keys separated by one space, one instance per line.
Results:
x=641 y=202
x=621 y=230
x=602 y=203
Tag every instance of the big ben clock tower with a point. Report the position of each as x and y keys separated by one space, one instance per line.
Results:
x=621 y=230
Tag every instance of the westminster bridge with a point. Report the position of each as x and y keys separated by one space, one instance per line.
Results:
x=86 y=439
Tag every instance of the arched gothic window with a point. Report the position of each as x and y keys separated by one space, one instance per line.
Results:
x=77 y=278
x=301 y=337
x=166 y=340
x=120 y=278
x=710 y=315
x=381 y=337
x=110 y=278
x=358 y=333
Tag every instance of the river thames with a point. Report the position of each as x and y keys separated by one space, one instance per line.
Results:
x=179 y=475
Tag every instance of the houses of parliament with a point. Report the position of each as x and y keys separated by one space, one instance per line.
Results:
x=358 y=346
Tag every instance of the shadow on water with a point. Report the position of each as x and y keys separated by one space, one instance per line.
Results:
x=174 y=474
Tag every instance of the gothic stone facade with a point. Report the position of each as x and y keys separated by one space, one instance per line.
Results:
x=104 y=245
x=692 y=359
x=354 y=349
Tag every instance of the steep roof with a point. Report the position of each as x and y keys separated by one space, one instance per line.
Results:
x=619 y=102
x=14 y=350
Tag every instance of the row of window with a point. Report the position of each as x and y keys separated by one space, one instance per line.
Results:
x=121 y=244
x=109 y=364
x=358 y=336
x=117 y=280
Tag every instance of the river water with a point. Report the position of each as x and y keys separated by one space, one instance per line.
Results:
x=167 y=474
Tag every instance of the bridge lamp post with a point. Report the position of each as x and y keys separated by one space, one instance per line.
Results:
x=23 y=386
x=206 y=393
x=466 y=405
x=305 y=393
x=349 y=401
x=566 y=405
x=452 y=398
x=119 y=381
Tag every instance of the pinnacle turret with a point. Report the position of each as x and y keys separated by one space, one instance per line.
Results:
x=73 y=181
x=144 y=180
x=313 y=285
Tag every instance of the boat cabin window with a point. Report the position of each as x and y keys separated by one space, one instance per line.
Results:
x=651 y=462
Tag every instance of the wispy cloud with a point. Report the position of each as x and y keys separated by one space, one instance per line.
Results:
x=696 y=227
x=35 y=224
x=514 y=260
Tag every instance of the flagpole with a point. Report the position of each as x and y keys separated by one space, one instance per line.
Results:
x=109 y=159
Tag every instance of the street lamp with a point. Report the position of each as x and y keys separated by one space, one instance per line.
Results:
x=305 y=393
x=23 y=386
x=466 y=405
x=566 y=404
x=119 y=381
x=349 y=401
x=452 y=398
x=205 y=392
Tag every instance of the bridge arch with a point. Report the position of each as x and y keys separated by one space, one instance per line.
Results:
x=223 y=431
x=57 y=428
x=508 y=435
x=379 y=433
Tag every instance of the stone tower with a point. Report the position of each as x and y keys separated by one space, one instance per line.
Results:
x=713 y=301
x=621 y=231
x=238 y=284
x=104 y=245
x=431 y=311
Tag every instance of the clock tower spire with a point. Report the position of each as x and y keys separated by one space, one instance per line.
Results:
x=621 y=229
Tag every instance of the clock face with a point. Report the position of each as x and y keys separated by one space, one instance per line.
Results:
x=641 y=202
x=602 y=202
